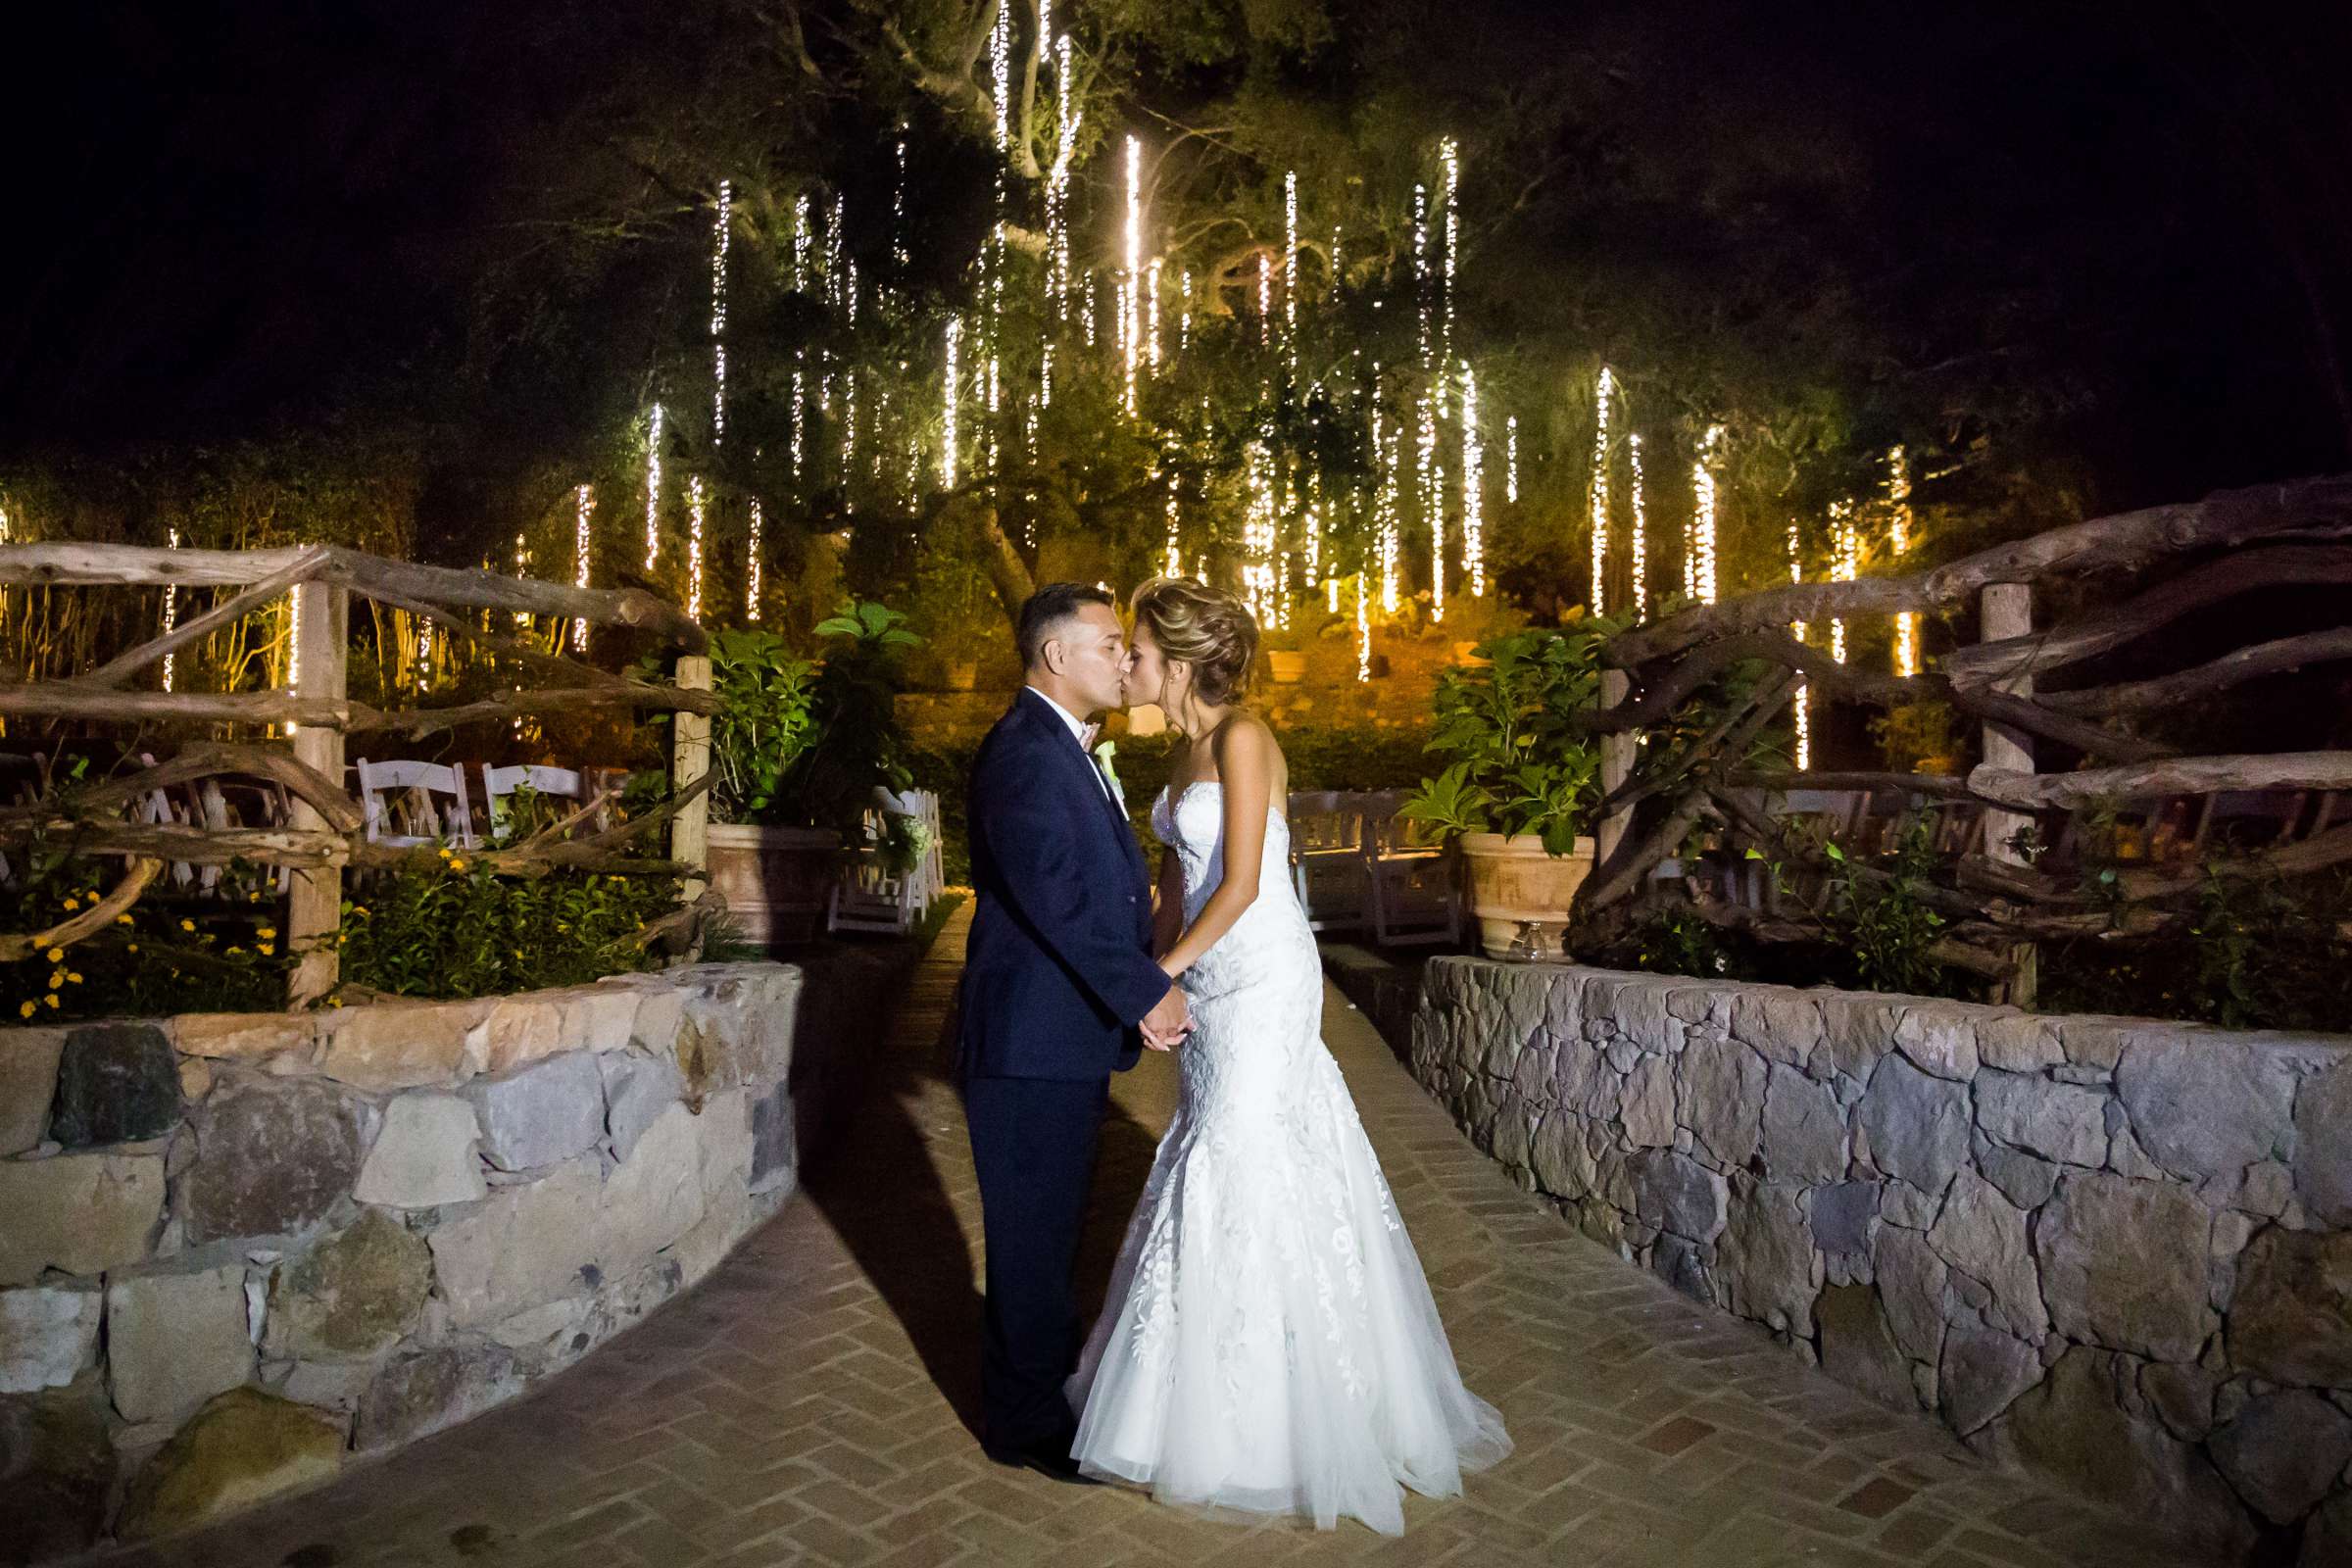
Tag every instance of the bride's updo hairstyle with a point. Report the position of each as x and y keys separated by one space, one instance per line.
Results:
x=1207 y=629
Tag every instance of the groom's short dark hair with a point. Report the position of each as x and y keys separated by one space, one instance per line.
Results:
x=1044 y=611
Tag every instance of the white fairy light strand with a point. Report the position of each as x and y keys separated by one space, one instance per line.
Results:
x=1474 y=471
x=694 y=547
x=1698 y=568
x=1802 y=703
x=1898 y=530
x=1842 y=565
x=718 y=312
x=947 y=460
x=1510 y=459
x=1640 y=534
x=582 y=550
x=652 y=490
x=1600 y=490
x=1135 y=254
x=170 y=600
x=1289 y=269
x=752 y=565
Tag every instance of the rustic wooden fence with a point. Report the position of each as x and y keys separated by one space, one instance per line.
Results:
x=2202 y=554
x=294 y=735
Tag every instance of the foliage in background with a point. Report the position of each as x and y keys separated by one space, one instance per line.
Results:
x=1521 y=765
x=764 y=724
x=1920 y=738
x=1885 y=927
x=164 y=955
x=454 y=930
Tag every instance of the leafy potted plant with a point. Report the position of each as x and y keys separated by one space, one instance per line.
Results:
x=1523 y=780
x=799 y=746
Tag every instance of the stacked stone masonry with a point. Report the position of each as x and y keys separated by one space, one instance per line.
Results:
x=2114 y=1251
x=236 y=1252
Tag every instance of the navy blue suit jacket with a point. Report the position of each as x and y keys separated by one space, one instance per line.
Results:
x=1058 y=970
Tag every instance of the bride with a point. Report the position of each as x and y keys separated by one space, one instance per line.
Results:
x=1269 y=1342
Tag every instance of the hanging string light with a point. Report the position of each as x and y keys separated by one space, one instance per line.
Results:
x=581 y=553
x=718 y=313
x=1698 y=558
x=1058 y=180
x=170 y=600
x=800 y=399
x=1510 y=459
x=694 y=547
x=1843 y=560
x=1135 y=259
x=1421 y=270
x=999 y=55
x=1898 y=530
x=1384 y=501
x=1152 y=295
x=1289 y=269
x=1449 y=153
x=1474 y=472
x=1330 y=280
x=1175 y=556
x=1258 y=569
x=1803 y=704
x=1363 y=631
x=752 y=564
x=1265 y=298
x=946 y=460
x=849 y=442
x=898 y=206
x=522 y=562
x=1640 y=539
x=1600 y=490
x=1184 y=314
x=652 y=490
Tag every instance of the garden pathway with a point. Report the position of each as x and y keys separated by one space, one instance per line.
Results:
x=792 y=1409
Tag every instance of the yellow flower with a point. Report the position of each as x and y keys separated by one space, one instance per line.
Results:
x=359 y=908
x=457 y=865
x=24 y=1009
x=132 y=948
x=265 y=932
x=121 y=919
x=51 y=998
x=57 y=977
x=253 y=898
x=73 y=903
x=74 y=976
x=268 y=947
x=233 y=951
x=444 y=851
x=187 y=926
x=57 y=955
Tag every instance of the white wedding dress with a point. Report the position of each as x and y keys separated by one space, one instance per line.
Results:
x=1269 y=1344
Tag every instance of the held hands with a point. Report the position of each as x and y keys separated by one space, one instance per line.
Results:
x=1168 y=1022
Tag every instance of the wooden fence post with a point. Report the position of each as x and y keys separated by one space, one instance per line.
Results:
x=1616 y=766
x=315 y=912
x=2006 y=609
x=690 y=759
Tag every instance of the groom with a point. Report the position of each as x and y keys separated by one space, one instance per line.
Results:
x=1058 y=983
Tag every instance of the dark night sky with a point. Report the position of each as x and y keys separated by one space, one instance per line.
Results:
x=229 y=217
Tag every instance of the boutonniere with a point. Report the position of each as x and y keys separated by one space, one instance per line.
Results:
x=1104 y=751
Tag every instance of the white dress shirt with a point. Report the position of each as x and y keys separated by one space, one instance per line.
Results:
x=1078 y=732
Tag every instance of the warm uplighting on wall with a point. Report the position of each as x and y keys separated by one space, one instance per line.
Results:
x=652 y=489
x=1600 y=489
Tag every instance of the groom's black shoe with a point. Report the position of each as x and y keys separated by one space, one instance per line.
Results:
x=1050 y=1457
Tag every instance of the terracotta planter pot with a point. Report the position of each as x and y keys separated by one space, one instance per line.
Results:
x=964 y=675
x=1520 y=894
x=1290 y=669
x=1467 y=654
x=775 y=880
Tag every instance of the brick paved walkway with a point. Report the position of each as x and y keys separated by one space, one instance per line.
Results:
x=792 y=1408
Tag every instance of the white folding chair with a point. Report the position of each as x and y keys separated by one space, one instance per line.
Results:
x=412 y=804
x=499 y=783
x=1415 y=898
x=1329 y=866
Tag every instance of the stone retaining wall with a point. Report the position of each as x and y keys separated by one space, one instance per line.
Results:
x=2111 y=1250
x=236 y=1252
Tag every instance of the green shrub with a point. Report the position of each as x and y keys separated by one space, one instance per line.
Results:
x=166 y=954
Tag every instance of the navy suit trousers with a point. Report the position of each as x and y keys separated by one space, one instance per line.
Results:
x=1033 y=1146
